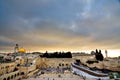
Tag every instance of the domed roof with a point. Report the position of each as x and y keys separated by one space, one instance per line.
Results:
x=21 y=50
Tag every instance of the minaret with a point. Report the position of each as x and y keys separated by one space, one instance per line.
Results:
x=16 y=48
x=106 y=53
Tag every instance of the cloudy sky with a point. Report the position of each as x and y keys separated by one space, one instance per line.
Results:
x=60 y=25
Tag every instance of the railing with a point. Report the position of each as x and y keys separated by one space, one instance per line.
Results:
x=89 y=71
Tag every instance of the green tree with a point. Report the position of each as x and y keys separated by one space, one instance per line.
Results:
x=99 y=55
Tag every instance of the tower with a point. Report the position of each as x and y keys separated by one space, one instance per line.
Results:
x=16 y=48
x=106 y=53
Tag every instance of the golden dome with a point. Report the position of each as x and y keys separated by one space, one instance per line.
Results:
x=21 y=50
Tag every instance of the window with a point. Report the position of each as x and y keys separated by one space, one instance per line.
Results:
x=4 y=79
x=17 y=58
x=22 y=73
x=15 y=75
x=60 y=64
x=8 y=78
x=12 y=77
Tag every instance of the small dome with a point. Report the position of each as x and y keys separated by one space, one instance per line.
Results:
x=21 y=50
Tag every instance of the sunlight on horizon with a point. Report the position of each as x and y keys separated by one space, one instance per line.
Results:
x=111 y=53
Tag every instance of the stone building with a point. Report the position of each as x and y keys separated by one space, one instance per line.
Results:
x=83 y=57
x=112 y=64
x=7 y=67
x=8 y=71
x=23 y=65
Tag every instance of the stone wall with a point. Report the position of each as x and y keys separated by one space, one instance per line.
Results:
x=59 y=62
x=7 y=67
x=12 y=76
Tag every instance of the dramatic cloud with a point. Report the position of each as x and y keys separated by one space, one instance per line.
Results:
x=60 y=24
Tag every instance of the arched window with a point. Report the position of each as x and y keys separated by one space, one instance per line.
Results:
x=12 y=77
x=59 y=64
x=22 y=73
x=15 y=75
x=18 y=64
x=8 y=78
x=4 y=79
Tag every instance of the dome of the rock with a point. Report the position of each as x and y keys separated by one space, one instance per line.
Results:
x=21 y=50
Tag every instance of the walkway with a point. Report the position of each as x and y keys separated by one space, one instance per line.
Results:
x=56 y=76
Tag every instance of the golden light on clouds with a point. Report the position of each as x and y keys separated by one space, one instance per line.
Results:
x=51 y=25
x=111 y=52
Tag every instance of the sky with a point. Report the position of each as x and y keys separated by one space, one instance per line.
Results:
x=60 y=25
